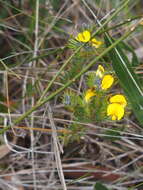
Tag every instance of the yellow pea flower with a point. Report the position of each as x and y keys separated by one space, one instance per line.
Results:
x=83 y=36
x=95 y=43
x=107 y=82
x=120 y=99
x=100 y=71
x=116 y=111
x=89 y=94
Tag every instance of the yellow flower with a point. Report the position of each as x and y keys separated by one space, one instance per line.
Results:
x=120 y=99
x=100 y=71
x=88 y=94
x=95 y=43
x=84 y=36
x=107 y=82
x=116 y=111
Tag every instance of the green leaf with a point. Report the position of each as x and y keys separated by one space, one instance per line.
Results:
x=135 y=61
x=3 y=107
x=100 y=186
x=127 y=78
x=56 y=4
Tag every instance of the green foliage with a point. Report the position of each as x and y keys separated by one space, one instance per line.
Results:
x=100 y=186
x=3 y=106
x=97 y=1
x=56 y=4
x=89 y=106
x=134 y=61
x=91 y=79
x=73 y=44
x=72 y=70
x=92 y=111
x=31 y=90
x=71 y=100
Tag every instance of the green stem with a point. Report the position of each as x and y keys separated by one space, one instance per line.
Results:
x=57 y=74
x=121 y=24
x=112 y=16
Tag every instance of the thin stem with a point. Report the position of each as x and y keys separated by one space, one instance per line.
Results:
x=32 y=99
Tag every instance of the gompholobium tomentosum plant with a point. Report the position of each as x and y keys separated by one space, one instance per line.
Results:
x=96 y=103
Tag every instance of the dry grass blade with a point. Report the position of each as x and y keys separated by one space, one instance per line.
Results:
x=57 y=149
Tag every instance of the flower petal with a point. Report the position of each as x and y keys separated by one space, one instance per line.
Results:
x=116 y=111
x=107 y=82
x=88 y=94
x=83 y=36
x=119 y=98
x=95 y=43
x=100 y=71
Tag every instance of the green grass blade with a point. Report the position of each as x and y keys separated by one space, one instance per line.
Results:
x=100 y=186
x=127 y=78
x=128 y=48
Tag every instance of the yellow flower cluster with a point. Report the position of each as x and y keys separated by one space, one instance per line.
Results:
x=116 y=108
x=105 y=81
x=85 y=36
x=117 y=103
